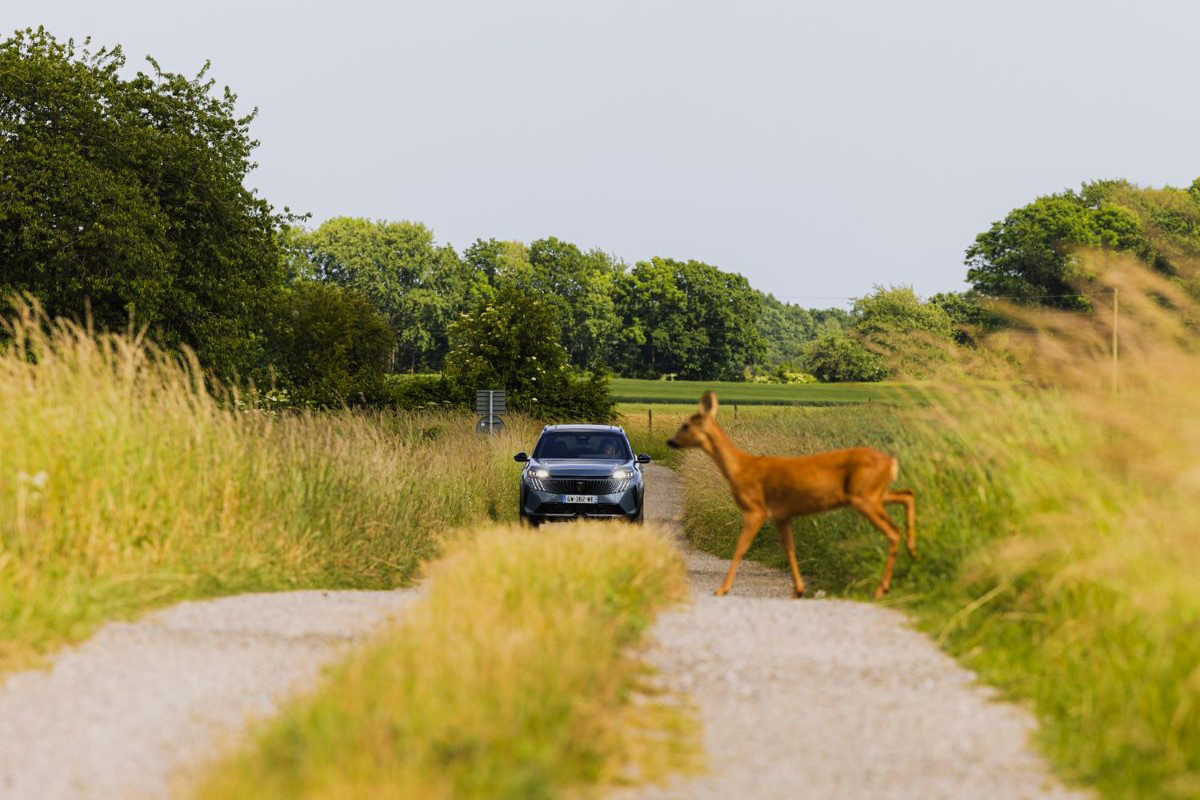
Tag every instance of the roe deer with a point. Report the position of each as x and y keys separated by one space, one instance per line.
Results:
x=769 y=487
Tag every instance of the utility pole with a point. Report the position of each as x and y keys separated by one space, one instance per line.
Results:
x=1115 y=367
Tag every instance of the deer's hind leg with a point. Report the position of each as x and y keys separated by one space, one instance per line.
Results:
x=751 y=522
x=874 y=512
x=906 y=498
x=789 y=546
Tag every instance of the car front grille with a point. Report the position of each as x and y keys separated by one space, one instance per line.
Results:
x=579 y=485
x=584 y=509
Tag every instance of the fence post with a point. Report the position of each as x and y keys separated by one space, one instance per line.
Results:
x=649 y=420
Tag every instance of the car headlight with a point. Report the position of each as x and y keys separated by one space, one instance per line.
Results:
x=540 y=474
x=622 y=474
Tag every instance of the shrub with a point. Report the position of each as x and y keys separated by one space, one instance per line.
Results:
x=422 y=392
x=328 y=346
x=836 y=356
x=511 y=342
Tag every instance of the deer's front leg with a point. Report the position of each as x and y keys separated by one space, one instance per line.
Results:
x=751 y=522
x=789 y=547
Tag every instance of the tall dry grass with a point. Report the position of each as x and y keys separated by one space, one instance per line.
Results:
x=1059 y=527
x=126 y=484
x=513 y=679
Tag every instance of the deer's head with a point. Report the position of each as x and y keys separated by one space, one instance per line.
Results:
x=697 y=429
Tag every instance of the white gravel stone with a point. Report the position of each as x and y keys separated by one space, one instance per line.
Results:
x=827 y=698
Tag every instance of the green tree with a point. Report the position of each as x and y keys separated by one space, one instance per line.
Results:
x=125 y=198
x=1031 y=253
x=969 y=315
x=785 y=329
x=896 y=310
x=836 y=356
x=328 y=346
x=686 y=318
x=912 y=335
x=581 y=284
x=500 y=261
x=418 y=286
x=511 y=341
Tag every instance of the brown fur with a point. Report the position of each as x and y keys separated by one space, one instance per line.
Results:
x=777 y=488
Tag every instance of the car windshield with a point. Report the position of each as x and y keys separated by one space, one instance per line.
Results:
x=583 y=444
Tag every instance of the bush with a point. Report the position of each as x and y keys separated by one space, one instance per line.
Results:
x=422 y=392
x=836 y=356
x=511 y=342
x=328 y=346
x=783 y=373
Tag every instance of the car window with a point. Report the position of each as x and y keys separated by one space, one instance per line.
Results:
x=566 y=444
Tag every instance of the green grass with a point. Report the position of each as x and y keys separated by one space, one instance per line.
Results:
x=634 y=390
x=513 y=679
x=125 y=485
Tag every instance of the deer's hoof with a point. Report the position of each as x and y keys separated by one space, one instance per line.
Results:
x=880 y=592
x=721 y=591
x=797 y=593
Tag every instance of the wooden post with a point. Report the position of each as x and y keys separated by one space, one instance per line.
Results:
x=649 y=420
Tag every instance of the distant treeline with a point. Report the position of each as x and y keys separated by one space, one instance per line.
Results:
x=657 y=317
x=123 y=201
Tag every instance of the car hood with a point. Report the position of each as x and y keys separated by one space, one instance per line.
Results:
x=580 y=467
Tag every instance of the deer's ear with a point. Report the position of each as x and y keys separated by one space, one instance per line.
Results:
x=708 y=404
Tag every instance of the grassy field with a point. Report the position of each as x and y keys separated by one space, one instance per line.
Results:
x=512 y=679
x=1057 y=530
x=633 y=390
x=649 y=425
x=125 y=485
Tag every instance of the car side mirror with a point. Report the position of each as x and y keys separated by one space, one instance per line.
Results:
x=520 y=458
x=642 y=458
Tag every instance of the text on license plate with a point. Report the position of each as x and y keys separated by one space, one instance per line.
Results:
x=579 y=498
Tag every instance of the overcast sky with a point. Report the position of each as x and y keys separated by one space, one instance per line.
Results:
x=817 y=148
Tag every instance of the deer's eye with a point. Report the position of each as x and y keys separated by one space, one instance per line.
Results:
x=685 y=426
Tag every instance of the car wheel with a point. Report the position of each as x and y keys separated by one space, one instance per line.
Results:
x=640 y=517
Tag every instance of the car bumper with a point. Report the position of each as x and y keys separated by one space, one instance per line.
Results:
x=550 y=505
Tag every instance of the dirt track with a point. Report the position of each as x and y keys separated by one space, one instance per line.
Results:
x=827 y=698
x=124 y=713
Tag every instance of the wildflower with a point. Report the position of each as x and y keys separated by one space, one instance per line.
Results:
x=37 y=480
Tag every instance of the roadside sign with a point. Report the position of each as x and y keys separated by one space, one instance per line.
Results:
x=490 y=401
x=489 y=404
x=492 y=424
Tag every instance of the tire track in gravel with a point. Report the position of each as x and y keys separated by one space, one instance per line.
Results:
x=129 y=711
x=827 y=698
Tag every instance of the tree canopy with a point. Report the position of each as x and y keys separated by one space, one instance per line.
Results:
x=123 y=198
x=1030 y=255
x=686 y=318
x=511 y=341
x=328 y=346
x=418 y=286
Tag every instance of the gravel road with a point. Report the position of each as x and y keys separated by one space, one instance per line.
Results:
x=129 y=711
x=827 y=698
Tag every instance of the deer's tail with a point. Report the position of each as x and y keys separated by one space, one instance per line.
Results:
x=895 y=468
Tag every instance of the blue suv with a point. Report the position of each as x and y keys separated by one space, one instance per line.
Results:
x=581 y=471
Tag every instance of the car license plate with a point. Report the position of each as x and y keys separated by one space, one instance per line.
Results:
x=579 y=498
